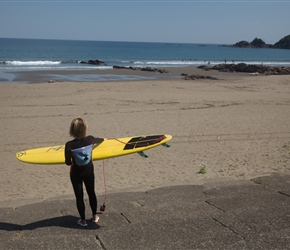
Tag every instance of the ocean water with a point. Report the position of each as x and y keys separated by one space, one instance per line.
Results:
x=35 y=54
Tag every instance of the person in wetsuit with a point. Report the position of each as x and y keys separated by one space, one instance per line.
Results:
x=78 y=154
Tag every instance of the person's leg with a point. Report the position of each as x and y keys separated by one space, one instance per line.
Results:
x=78 y=190
x=90 y=187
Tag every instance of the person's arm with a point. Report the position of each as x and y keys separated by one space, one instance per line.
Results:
x=67 y=155
x=96 y=140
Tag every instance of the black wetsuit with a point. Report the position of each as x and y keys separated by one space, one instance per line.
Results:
x=78 y=155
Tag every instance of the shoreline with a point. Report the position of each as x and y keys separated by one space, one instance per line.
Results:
x=237 y=127
x=109 y=75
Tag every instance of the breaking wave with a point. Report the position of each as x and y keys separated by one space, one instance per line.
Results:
x=31 y=63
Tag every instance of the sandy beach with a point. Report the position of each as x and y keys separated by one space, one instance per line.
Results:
x=237 y=127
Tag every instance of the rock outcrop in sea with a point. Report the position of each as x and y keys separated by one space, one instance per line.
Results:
x=162 y=71
x=93 y=62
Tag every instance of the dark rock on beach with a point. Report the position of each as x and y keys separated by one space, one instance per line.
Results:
x=54 y=81
x=162 y=71
x=249 y=68
x=196 y=77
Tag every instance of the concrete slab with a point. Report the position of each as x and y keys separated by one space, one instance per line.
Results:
x=240 y=215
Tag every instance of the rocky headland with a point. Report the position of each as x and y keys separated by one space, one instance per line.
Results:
x=283 y=43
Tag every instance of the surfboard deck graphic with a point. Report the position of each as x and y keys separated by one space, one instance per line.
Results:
x=107 y=149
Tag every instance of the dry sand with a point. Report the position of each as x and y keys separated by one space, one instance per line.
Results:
x=237 y=128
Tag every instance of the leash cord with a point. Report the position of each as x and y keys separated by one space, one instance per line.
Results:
x=104 y=175
x=105 y=185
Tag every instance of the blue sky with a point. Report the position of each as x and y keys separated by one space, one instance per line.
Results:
x=191 y=21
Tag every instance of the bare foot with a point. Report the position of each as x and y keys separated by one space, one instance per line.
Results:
x=95 y=218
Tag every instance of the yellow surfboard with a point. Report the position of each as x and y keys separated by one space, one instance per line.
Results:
x=107 y=149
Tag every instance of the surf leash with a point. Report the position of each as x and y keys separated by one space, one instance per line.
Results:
x=103 y=207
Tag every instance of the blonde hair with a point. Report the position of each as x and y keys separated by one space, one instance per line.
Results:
x=78 y=128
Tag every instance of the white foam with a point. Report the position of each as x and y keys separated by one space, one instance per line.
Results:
x=16 y=67
x=169 y=63
x=26 y=63
x=203 y=62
